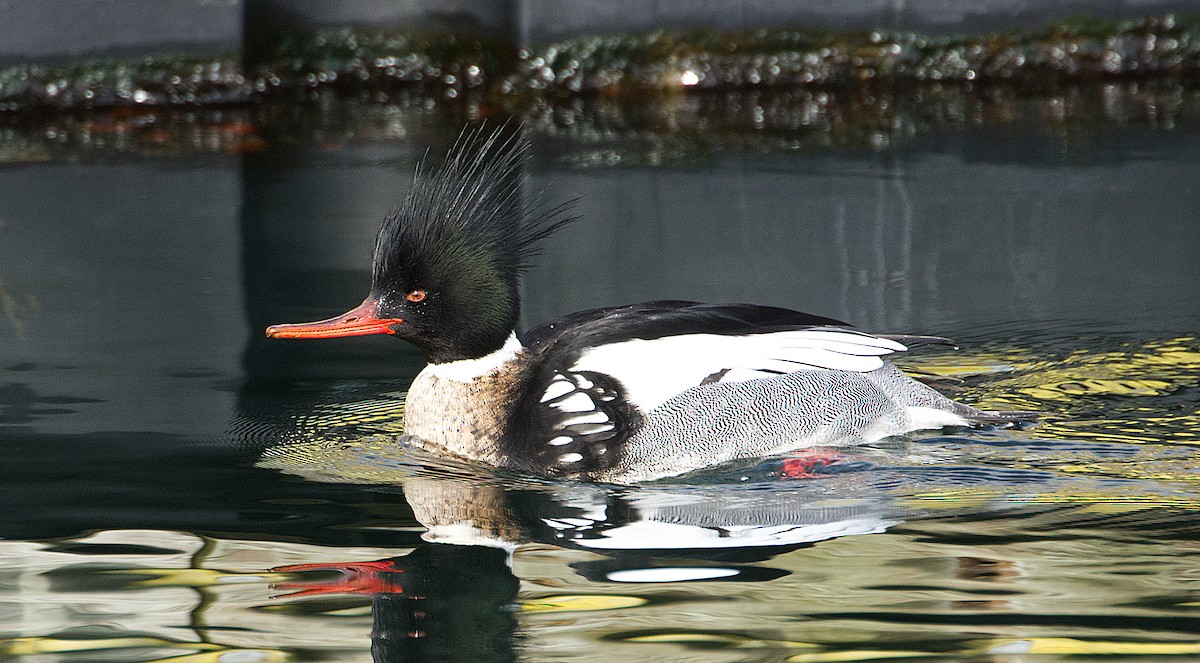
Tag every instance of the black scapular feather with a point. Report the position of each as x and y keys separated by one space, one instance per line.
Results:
x=650 y=320
x=469 y=216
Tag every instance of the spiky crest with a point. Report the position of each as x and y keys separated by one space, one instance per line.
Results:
x=465 y=232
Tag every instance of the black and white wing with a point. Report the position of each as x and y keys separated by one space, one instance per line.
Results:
x=571 y=421
x=600 y=371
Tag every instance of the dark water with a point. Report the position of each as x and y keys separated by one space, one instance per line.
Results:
x=168 y=473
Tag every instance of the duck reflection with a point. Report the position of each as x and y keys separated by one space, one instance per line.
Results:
x=456 y=596
x=701 y=522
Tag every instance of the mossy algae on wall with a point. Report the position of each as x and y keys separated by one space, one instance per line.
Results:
x=107 y=82
x=1065 y=52
x=445 y=65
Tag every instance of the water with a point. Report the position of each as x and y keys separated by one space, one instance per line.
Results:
x=179 y=488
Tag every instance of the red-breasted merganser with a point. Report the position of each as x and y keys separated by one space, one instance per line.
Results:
x=621 y=394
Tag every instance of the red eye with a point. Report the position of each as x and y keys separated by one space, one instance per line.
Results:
x=416 y=296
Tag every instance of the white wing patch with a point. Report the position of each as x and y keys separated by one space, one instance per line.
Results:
x=559 y=386
x=653 y=371
x=576 y=402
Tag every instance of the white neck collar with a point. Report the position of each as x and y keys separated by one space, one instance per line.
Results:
x=466 y=370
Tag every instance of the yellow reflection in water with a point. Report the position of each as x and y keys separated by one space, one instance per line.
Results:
x=1060 y=646
x=1091 y=647
x=723 y=640
x=196 y=577
x=231 y=656
x=856 y=655
x=1110 y=500
x=38 y=645
x=384 y=414
x=581 y=603
x=1119 y=395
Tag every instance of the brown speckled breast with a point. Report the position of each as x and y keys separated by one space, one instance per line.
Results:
x=465 y=419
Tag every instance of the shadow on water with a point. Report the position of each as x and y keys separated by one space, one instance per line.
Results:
x=178 y=486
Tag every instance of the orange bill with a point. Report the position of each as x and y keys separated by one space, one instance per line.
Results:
x=360 y=321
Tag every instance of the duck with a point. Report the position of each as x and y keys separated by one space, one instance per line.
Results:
x=620 y=394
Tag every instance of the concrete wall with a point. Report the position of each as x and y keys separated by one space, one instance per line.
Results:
x=546 y=20
x=454 y=15
x=41 y=30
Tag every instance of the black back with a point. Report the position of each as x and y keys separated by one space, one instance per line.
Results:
x=661 y=318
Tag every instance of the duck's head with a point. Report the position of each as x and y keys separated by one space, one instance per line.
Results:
x=448 y=258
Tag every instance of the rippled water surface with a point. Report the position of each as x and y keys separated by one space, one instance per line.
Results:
x=177 y=487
